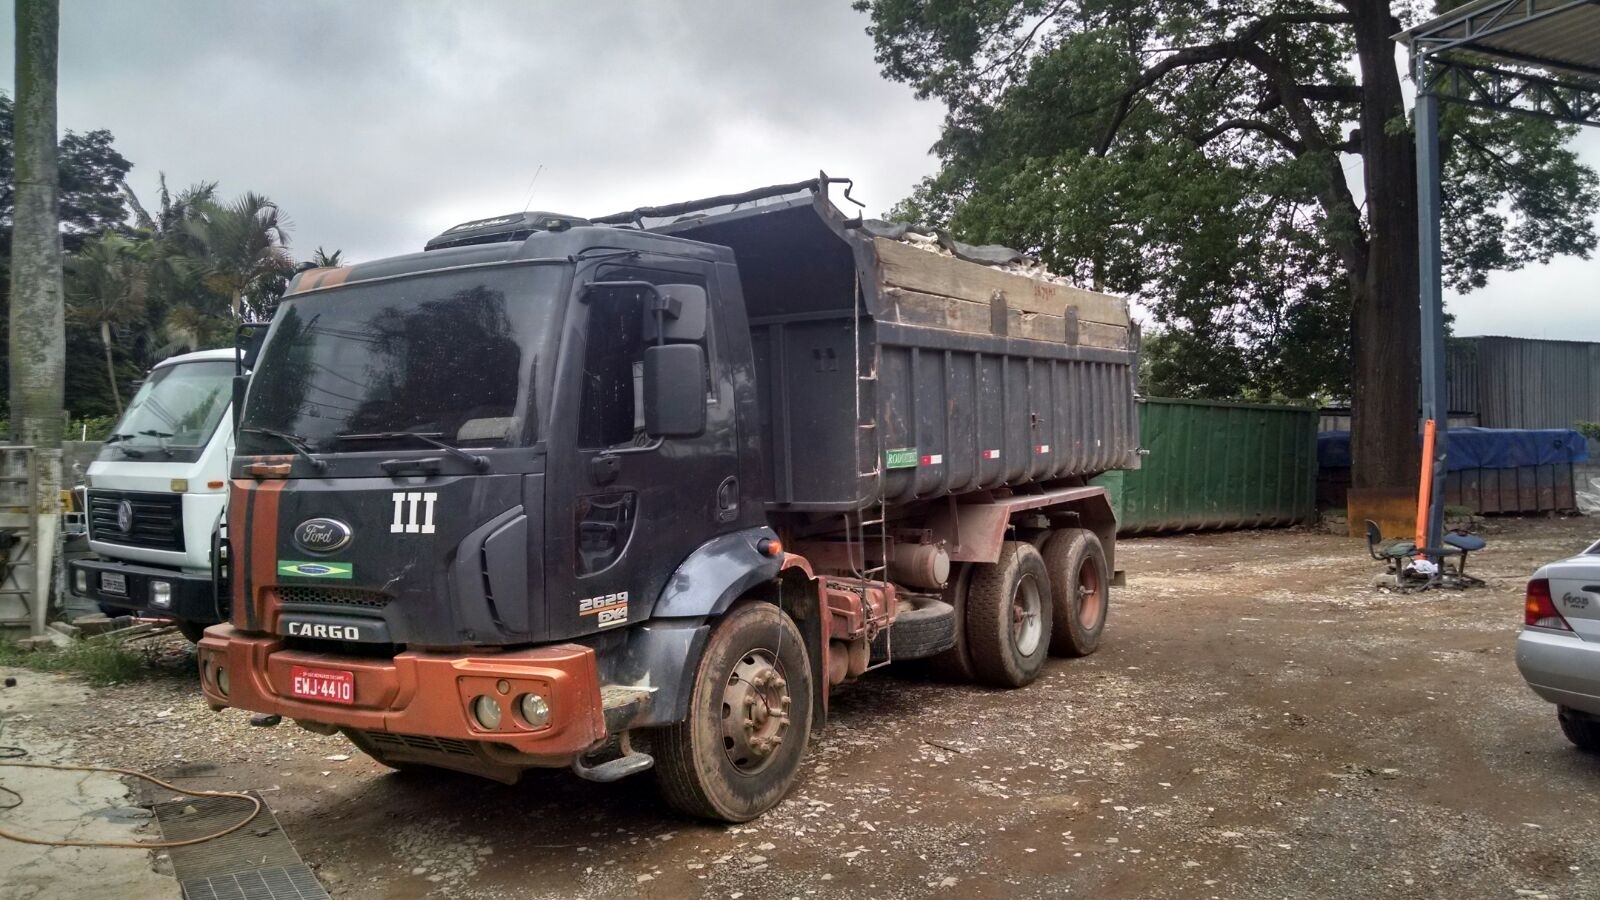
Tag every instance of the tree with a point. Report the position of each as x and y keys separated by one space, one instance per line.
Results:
x=107 y=286
x=38 y=335
x=246 y=245
x=1196 y=155
x=322 y=259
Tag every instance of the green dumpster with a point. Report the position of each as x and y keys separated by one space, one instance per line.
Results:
x=1214 y=465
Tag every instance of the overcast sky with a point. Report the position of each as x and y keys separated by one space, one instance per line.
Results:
x=376 y=125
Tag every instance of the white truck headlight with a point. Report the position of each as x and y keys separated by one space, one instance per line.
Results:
x=161 y=594
x=80 y=582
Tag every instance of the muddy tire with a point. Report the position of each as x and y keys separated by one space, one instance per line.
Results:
x=739 y=751
x=191 y=631
x=1007 y=619
x=955 y=664
x=1080 y=587
x=1583 y=731
x=926 y=629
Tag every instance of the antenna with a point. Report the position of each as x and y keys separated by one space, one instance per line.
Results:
x=531 y=182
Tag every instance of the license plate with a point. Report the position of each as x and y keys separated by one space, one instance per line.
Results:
x=113 y=583
x=326 y=685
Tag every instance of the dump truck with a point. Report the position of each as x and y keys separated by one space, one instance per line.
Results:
x=639 y=492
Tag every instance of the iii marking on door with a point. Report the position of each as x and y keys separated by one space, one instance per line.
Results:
x=407 y=505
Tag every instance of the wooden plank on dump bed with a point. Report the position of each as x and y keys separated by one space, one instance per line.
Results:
x=950 y=313
x=913 y=269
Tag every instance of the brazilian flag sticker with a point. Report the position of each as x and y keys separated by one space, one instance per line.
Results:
x=295 y=568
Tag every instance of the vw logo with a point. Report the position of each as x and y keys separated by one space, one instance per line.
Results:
x=321 y=535
x=125 y=517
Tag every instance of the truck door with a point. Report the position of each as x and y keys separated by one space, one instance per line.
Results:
x=625 y=508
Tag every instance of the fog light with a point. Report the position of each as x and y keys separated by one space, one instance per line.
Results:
x=534 y=710
x=80 y=582
x=222 y=681
x=161 y=594
x=487 y=712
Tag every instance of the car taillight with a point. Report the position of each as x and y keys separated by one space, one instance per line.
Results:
x=1541 y=609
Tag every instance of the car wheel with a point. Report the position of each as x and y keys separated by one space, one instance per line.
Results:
x=1582 y=730
x=1081 y=589
x=1008 y=616
x=739 y=751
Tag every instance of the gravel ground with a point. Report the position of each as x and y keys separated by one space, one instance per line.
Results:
x=1261 y=722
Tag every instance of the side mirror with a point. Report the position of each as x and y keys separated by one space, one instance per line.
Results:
x=674 y=390
x=684 y=307
x=247 y=341
x=241 y=383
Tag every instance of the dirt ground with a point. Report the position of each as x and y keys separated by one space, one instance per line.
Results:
x=1261 y=722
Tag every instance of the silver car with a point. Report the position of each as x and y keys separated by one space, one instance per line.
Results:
x=1558 y=651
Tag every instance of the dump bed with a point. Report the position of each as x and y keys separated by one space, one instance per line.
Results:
x=890 y=368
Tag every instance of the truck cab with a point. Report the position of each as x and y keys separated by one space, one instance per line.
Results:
x=156 y=494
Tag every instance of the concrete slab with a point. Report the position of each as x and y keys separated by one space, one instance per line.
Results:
x=75 y=805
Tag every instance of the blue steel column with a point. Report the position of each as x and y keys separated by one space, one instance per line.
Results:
x=1435 y=390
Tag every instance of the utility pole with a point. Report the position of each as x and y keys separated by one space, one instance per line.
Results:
x=38 y=328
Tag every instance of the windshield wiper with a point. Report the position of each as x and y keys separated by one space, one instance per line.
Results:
x=119 y=437
x=481 y=463
x=160 y=436
x=296 y=443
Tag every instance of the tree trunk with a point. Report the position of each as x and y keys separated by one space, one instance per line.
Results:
x=111 y=368
x=38 y=332
x=1385 y=327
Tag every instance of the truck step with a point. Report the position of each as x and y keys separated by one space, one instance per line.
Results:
x=612 y=770
x=621 y=705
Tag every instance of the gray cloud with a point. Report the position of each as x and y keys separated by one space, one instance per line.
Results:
x=378 y=124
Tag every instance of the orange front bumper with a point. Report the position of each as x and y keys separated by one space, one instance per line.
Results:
x=418 y=693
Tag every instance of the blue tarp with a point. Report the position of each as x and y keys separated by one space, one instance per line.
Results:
x=1479 y=448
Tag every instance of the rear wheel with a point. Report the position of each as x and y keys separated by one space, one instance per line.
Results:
x=739 y=751
x=1582 y=730
x=955 y=664
x=1008 y=616
x=1080 y=589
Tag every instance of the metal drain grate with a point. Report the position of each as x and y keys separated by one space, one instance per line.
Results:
x=281 y=883
x=257 y=862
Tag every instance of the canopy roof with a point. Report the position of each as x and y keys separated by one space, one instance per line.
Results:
x=1560 y=35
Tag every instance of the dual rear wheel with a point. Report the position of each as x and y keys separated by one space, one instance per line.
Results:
x=1048 y=596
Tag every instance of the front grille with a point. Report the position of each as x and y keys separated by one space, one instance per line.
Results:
x=384 y=740
x=156 y=523
x=331 y=596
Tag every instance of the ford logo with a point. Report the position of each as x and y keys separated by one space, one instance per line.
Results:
x=321 y=535
x=125 y=517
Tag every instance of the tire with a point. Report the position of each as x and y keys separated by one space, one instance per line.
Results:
x=1583 y=731
x=955 y=664
x=191 y=631
x=708 y=765
x=1081 y=589
x=927 y=629
x=1008 y=617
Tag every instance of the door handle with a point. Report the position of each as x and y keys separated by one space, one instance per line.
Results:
x=604 y=469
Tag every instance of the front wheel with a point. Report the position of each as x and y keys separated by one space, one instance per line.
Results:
x=739 y=751
x=191 y=631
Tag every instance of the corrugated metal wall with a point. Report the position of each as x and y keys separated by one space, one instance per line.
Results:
x=1525 y=383
x=1218 y=465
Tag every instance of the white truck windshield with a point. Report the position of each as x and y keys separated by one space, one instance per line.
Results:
x=174 y=413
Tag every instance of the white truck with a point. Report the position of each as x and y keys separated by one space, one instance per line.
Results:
x=156 y=496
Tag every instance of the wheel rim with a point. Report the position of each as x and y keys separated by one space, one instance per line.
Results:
x=755 y=711
x=1026 y=606
x=1091 y=598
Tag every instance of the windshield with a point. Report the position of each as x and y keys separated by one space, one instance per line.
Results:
x=173 y=414
x=455 y=356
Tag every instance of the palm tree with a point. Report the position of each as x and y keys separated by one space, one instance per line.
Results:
x=322 y=259
x=246 y=247
x=184 y=313
x=108 y=286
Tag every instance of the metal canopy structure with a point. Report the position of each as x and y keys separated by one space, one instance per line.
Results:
x=1533 y=57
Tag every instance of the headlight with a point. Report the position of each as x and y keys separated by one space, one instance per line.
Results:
x=487 y=711
x=222 y=681
x=161 y=594
x=534 y=709
x=80 y=582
